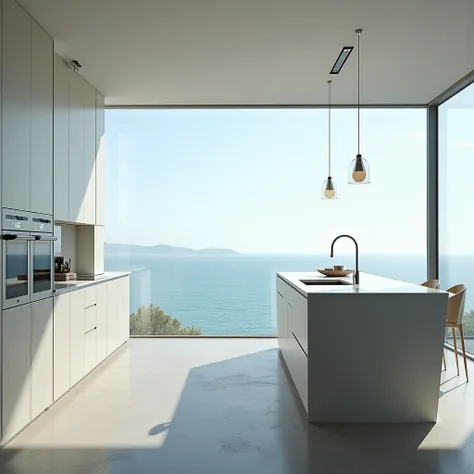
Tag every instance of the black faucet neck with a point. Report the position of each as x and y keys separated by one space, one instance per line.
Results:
x=356 y=274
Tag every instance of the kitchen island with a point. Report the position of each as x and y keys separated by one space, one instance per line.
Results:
x=370 y=352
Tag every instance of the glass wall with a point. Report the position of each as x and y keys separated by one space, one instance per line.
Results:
x=204 y=206
x=456 y=167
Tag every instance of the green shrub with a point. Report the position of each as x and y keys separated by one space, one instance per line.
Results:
x=468 y=323
x=468 y=326
x=152 y=321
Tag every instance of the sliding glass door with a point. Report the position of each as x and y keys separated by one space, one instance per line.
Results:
x=456 y=200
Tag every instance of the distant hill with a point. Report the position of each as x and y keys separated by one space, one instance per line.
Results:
x=115 y=249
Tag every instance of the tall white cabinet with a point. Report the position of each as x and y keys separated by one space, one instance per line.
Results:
x=76 y=148
x=100 y=164
x=77 y=110
x=27 y=112
x=61 y=139
x=89 y=154
x=16 y=104
x=41 y=154
x=52 y=162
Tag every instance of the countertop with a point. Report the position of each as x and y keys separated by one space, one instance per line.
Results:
x=368 y=284
x=61 y=287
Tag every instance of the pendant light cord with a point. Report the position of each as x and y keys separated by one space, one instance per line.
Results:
x=358 y=32
x=329 y=128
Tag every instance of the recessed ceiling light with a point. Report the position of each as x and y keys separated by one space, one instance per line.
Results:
x=341 y=59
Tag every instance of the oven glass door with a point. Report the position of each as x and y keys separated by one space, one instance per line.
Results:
x=41 y=264
x=16 y=272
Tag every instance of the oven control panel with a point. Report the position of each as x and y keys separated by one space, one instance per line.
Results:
x=21 y=221
x=41 y=223
x=16 y=220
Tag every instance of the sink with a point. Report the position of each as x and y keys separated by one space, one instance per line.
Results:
x=325 y=282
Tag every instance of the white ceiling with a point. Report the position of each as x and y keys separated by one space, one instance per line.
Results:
x=218 y=52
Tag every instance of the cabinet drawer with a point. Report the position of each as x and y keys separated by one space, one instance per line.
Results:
x=90 y=318
x=282 y=288
x=297 y=364
x=90 y=296
x=298 y=324
x=90 y=351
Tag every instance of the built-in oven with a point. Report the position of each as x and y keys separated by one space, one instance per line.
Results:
x=16 y=257
x=27 y=257
x=41 y=262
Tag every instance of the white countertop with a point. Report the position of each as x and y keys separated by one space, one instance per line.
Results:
x=61 y=287
x=368 y=284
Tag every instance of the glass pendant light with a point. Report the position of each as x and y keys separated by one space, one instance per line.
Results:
x=359 y=172
x=329 y=188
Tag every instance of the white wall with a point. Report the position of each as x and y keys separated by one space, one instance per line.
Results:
x=68 y=244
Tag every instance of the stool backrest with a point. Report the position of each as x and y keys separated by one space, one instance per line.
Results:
x=456 y=304
x=431 y=284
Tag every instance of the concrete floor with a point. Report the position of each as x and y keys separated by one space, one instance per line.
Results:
x=226 y=406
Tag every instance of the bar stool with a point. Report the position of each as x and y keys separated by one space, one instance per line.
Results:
x=454 y=317
x=431 y=284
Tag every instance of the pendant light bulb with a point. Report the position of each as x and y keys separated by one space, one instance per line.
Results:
x=359 y=172
x=329 y=188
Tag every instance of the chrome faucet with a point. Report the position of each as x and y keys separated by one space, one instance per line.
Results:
x=356 y=273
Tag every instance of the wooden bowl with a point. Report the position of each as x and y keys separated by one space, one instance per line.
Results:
x=334 y=273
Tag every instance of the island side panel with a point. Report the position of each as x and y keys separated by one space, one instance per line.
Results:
x=375 y=357
x=292 y=321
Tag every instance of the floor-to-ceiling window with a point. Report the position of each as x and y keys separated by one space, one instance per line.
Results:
x=456 y=225
x=204 y=206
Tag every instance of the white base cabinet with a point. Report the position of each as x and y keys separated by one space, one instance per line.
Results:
x=292 y=335
x=90 y=351
x=118 y=317
x=76 y=337
x=101 y=323
x=27 y=363
x=89 y=324
x=16 y=378
x=62 y=355
x=41 y=324
x=50 y=345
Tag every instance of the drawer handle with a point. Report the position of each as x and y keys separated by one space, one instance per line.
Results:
x=91 y=306
x=301 y=347
x=90 y=330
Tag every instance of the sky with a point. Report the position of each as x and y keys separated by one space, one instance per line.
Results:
x=250 y=179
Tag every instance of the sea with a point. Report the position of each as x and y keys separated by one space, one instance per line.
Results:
x=235 y=294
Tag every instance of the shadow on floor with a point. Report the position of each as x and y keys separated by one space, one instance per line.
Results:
x=242 y=415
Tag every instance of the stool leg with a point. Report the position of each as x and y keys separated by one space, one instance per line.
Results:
x=463 y=351
x=455 y=349
x=444 y=360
